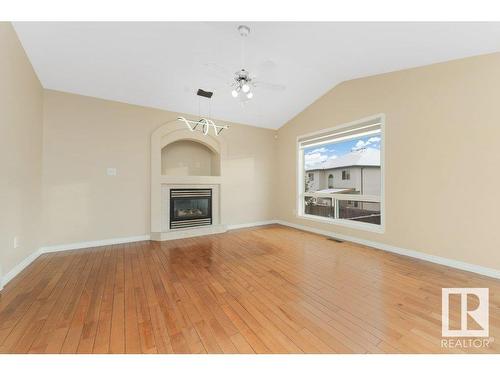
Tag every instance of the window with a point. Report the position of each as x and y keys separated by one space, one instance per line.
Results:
x=351 y=155
x=352 y=204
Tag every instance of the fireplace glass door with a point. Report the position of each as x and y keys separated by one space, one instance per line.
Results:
x=190 y=207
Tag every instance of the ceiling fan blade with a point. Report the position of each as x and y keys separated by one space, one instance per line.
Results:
x=219 y=71
x=269 y=86
x=266 y=66
x=220 y=68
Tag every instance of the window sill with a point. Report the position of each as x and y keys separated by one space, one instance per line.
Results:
x=345 y=223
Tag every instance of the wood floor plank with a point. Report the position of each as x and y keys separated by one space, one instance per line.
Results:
x=78 y=299
x=91 y=321
x=35 y=318
x=160 y=332
x=132 y=337
x=269 y=289
x=117 y=334
x=69 y=333
x=103 y=333
x=146 y=336
x=58 y=328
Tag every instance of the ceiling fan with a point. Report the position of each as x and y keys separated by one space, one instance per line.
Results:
x=243 y=83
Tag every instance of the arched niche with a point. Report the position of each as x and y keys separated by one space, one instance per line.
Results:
x=179 y=143
x=169 y=139
x=188 y=157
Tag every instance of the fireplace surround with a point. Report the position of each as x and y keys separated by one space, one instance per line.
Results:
x=181 y=171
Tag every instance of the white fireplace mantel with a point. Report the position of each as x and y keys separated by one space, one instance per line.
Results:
x=190 y=180
x=160 y=184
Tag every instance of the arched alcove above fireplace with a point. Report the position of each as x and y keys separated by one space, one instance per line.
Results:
x=189 y=158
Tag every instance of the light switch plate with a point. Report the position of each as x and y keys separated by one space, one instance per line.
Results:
x=111 y=171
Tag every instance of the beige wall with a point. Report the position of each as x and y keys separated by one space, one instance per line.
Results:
x=83 y=136
x=442 y=150
x=20 y=152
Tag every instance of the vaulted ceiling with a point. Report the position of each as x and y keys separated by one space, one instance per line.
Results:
x=162 y=64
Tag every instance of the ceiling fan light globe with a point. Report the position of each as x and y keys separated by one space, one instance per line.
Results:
x=250 y=95
x=234 y=93
x=245 y=87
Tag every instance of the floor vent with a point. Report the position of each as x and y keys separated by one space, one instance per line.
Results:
x=334 y=239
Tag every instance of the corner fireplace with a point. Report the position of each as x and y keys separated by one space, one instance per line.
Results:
x=190 y=208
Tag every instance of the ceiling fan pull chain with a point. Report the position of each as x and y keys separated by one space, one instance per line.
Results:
x=244 y=31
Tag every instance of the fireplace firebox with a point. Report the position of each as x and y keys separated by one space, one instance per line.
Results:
x=190 y=208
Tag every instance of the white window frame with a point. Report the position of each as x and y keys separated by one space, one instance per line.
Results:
x=299 y=208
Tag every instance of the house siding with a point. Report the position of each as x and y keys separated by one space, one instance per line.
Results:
x=365 y=180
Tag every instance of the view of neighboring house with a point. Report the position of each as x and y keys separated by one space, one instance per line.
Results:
x=357 y=172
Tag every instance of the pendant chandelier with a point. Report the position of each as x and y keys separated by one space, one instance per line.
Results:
x=203 y=125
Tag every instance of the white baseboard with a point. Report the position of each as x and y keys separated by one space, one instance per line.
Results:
x=71 y=246
x=248 y=225
x=18 y=268
x=485 y=271
x=178 y=234
x=87 y=244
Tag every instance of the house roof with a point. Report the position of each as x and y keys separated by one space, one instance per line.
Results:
x=365 y=157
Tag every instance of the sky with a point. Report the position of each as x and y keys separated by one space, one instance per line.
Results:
x=316 y=155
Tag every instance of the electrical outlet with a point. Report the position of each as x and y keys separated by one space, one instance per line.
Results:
x=15 y=242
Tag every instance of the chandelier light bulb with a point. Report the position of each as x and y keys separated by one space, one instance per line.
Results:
x=245 y=87
x=250 y=95
x=234 y=93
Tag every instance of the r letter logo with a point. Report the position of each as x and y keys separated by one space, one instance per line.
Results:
x=480 y=314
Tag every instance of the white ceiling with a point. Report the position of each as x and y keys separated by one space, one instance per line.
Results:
x=161 y=64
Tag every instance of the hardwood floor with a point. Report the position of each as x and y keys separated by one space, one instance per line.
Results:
x=262 y=290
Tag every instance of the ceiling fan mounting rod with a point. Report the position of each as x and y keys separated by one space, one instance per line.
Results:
x=244 y=32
